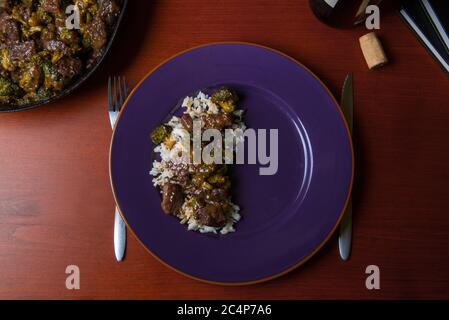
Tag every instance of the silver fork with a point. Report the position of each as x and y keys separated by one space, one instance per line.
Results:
x=117 y=93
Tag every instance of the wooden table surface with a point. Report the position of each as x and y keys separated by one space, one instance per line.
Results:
x=56 y=205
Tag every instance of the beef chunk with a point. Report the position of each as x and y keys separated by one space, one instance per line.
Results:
x=108 y=11
x=9 y=31
x=23 y=11
x=172 y=198
x=69 y=67
x=55 y=45
x=53 y=6
x=218 y=194
x=47 y=34
x=21 y=52
x=97 y=33
x=217 y=121
x=187 y=122
x=4 y=5
x=212 y=215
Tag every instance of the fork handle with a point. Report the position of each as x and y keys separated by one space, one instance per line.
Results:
x=119 y=236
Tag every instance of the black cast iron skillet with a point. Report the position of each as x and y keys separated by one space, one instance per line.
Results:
x=75 y=84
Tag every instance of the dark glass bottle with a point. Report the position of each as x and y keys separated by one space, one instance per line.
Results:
x=341 y=13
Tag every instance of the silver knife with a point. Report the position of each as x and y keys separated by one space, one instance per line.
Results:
x=347 y=105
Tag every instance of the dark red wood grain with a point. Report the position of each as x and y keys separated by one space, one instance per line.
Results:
x=56 y=206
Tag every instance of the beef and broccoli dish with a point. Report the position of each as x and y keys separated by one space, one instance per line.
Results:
x=198 y=194
x=41 y=54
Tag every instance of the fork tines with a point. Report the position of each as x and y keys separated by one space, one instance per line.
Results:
x=117 y=92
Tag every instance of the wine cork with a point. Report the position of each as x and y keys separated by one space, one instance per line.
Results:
x=372 y=50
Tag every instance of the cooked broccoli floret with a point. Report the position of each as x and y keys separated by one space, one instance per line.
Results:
x=33 y=20
x=217 y=179
x=43 y=16
x=16 y=15
x=8 y=88
x=71 y=38
x=43 y=94
x=93 y=8
x=57 y=55
x=225 y=98
x=29 y=31
x=88 y=18
x=52 y=78
x=87 y=9
x=86 y=40
x=30 y=78
x=65 y=34
x=5 y=60
x=160 y=133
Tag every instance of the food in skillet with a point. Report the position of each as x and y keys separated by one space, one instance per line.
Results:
x=199 y=194
x=39 y=55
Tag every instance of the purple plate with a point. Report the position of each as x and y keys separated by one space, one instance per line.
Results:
x=286 y=217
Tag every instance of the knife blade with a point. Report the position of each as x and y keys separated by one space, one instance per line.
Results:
x=347 y=105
